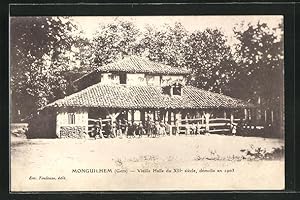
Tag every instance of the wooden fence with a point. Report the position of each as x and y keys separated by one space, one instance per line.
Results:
x=211 y=125
x=91 y=123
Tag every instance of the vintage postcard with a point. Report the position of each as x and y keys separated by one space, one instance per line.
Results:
x=146 y=103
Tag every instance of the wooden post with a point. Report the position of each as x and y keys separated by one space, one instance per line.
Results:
x=153 y=112
x=207 y=115
x=249 y=114
x=225 y=114
x=186 y=117
x=171 y=90
x=231 y=118
x=265 y=116
x=167 y=116
x=129 y=115
x=245 y=114
x=202 y=120
x=272 y=116
x=231 y=122
x=101 y=126
x=172 y=117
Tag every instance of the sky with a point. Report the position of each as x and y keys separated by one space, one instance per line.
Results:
x=225 y=23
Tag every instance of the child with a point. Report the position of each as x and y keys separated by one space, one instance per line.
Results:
x=198 y=128
x=193 y=129
x=168 y=128
x=233 y=129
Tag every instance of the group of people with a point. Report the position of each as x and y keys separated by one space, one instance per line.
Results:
x=150 y=128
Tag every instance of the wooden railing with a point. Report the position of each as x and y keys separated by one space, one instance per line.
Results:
x=91 y=123
x=212 y=125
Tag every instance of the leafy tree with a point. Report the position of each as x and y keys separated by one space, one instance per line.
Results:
x=167 y=45
x=40 y=49
x=259 y=55
x=114 y=41
x=259 y=77
x=209 y=56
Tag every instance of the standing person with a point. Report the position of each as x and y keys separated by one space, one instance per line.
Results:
x=233 y=128
x=148 y=127
x=162 y=128
x=193 y=129
x=99 y=130
x=135 y=128
x=168 y=128
x=198 y=128
x=130 y=130
x=119 y=128
x=188 y=128
x=156 y=129
x=140 y=129
x=93 y=133
x=108 y=130
x=177 y=130
x=124 y=127
x=114 y=129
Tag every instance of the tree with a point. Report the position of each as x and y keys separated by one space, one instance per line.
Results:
x=166 y=46
x=210 y=59
x=114 y=41
x=259 y=55
x=259 y=78
x=40 y=49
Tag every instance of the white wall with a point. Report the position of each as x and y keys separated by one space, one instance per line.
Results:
x=110 y=78
x=153 y=80
x=136 y=79
x=81 y=119
x=143 y=79
x=169 y=79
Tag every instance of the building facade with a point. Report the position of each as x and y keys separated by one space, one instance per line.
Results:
x=136 y=89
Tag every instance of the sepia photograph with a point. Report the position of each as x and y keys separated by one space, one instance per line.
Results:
x=146 y=103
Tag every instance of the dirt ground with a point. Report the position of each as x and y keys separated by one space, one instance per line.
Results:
x=166 y=163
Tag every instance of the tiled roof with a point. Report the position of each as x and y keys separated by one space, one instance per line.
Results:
x=125 y=96
x=135 y=64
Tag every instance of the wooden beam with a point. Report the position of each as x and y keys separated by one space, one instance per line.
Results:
x=207 y=115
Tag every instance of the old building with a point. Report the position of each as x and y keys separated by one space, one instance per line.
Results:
x=135 y=89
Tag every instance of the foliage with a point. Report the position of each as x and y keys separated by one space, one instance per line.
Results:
x=209 y=56
x=113 y=41
x=39 y=56
x=46 y=57
x=166 y=46
x=259 y=56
